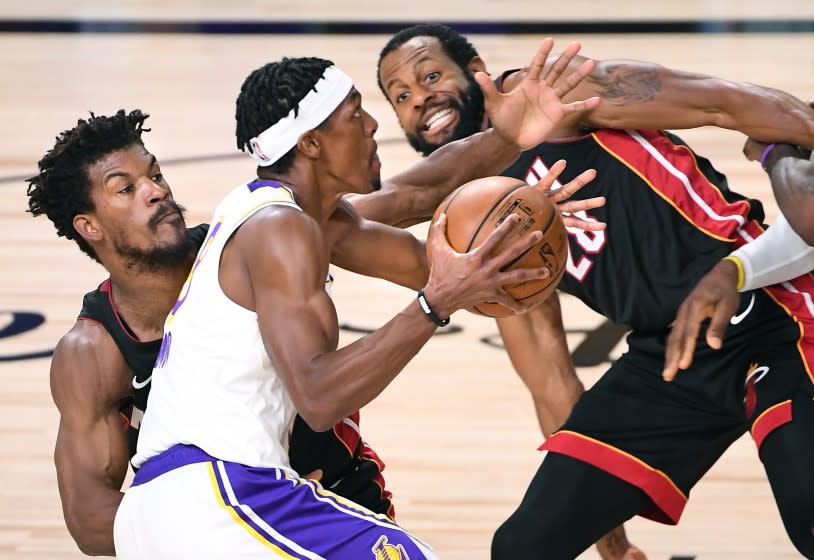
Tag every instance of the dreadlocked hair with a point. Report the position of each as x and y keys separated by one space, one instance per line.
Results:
x=454 y=45
x=269 y=94
x=61 y=190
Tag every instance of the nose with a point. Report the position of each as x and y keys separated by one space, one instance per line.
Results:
x=372 y=125
x=154 y=193
x=419 y=96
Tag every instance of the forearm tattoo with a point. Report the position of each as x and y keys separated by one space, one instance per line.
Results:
x=622 y=84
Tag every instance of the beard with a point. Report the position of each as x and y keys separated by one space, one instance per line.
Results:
x=470 y=112
x=159 y=257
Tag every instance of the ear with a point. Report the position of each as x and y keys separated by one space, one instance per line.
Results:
x=476 y=65
x=309 y=144
x=87 y=227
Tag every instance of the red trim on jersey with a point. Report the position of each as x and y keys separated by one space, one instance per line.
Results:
x=367 y=454
x=771 y=419
x=688 y=199
x=352 y=440
x=668 y=500
x=106 y=288
x=83 y=318
x=793 y=303
x=348 y=436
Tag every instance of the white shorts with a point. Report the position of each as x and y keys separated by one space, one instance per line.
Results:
x=186 y=504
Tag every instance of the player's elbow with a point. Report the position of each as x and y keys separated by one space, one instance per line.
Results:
x=87 y=537
x=318 y=418
x=319 y=409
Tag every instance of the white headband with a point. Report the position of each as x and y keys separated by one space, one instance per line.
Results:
x=274 y=142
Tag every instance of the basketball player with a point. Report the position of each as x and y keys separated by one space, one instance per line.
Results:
x=253 y=334
x=101 y=369
x=635 y=440
x=777 y=256
x=117 y=337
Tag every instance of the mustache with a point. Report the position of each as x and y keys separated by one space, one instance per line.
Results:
x=167 y=208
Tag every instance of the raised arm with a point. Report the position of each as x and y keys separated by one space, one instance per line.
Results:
x=298 y=321
x=638 y=94
x=521 y=119
x=88 y=380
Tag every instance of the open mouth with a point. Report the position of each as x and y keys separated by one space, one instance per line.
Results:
x=439 y=121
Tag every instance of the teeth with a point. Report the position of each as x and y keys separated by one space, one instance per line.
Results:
x=436 y=117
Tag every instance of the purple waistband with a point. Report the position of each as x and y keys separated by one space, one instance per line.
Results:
x=176 y=456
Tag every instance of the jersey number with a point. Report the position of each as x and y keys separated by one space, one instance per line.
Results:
x=590 y=241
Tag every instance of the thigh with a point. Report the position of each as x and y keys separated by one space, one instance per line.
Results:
x=660 y=437
x=568 y=506
x=787 y=454
x=215 y=509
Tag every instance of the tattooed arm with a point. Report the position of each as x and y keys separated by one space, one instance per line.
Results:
x=638 y=94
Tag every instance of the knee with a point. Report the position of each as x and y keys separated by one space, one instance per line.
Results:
x=799 y=525
x=506 y=541
x=515 y=540
x=502 y=542
x=803 y=540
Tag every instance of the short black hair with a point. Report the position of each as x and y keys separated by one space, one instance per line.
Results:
x=61 y=190
x=269 y=93
x=454 y=45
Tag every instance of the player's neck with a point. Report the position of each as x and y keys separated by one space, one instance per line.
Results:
x=144 y=299
x=307 y=188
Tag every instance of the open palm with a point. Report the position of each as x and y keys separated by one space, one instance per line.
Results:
x=526 y=115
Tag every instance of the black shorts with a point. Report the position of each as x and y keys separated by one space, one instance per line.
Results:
x=662 y=437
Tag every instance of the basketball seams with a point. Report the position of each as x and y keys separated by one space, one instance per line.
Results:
x=497 y=203
x=496 y=198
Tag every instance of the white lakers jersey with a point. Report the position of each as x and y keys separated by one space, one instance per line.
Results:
x=213 y=384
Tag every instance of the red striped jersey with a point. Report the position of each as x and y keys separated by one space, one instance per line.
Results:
x=670 y=217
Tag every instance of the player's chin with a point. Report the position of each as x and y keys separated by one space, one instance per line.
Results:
x=442 y=135
x=172 y=230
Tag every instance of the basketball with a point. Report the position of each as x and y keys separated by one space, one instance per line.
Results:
x=476 y=208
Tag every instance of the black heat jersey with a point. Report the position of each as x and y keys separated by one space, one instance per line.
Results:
x=670 y=217
x=139 y=355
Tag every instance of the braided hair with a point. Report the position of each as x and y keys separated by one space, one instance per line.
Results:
x=269 y=94
x=61 y=190
x=454 y=45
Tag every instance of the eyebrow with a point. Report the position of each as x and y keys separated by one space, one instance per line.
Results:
x=416 y=63
x=113 y=174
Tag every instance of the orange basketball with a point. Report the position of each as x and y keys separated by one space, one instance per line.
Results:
x=475 y=209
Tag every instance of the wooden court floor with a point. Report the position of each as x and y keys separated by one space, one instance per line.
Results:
x=456 y=429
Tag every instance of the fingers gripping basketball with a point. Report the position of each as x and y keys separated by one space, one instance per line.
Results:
x=475 y=209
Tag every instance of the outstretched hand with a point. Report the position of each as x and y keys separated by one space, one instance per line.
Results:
x=526 y=115
x=562 y=197
x=715 y=297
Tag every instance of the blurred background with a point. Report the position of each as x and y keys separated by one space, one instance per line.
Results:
x=457 y=428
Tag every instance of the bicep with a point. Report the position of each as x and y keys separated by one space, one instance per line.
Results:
x=91 y=453
x=296 y=317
